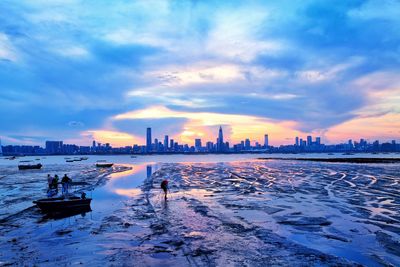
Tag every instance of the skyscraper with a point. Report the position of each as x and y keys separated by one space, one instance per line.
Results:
x=309 y=140
x=247 y=144
x=220 y=140
x=266 y=141
x=318 y=140
x=1 y=149
x=148 y=140
x=297 y=141
x=166 y=142
x=197 y=144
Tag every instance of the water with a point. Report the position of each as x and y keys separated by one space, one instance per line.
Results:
x=284 y=211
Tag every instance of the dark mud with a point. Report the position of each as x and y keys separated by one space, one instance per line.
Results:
x=342 y=160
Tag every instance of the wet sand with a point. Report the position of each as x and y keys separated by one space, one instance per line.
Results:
x=342 y=160
x=256 y=213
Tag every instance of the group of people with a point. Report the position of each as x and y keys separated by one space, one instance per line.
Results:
x=54 y=181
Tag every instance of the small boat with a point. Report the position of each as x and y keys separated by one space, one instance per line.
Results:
x=29 y=166
x=133 y=157
x=104 y=164
x=84 y=158
x=77 y=159
x=62 y=204
x=69 y=160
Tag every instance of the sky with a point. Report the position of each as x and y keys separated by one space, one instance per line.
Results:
x=100 y=70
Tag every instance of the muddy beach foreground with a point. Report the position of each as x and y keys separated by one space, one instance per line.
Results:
x=342 y=160
x=257 y=213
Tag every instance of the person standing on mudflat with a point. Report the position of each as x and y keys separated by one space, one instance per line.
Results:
x=164 y=186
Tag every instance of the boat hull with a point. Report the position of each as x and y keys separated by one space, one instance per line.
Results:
x=104 y=165
x=30 y=167
x=61 y=205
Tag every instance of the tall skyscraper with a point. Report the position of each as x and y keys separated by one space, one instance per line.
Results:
x=148 y=140
x=247 y=144
x=309 y=140
x=1 y=149
x=166 y=142
x=220 y=140
x=297 y=141
x=197 y=144
x=171 y=145
x=266 y=141
x=156 y=144
x=318 y=140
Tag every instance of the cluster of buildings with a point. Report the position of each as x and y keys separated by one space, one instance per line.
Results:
x=168 y=145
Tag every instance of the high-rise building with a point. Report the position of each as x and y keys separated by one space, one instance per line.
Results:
x=318 y=140
x=220 y=140
x=166 y=142
x=1 y=149
x=266 y=141
x=309 y=140
x=156 y=144
x=247 y=144
x=301 y=141
x=54 y=147
x=197 y=144
x=171 y=145
x=297 y=141
x=148 y=140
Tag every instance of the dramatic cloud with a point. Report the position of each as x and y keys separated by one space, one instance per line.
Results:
x=76 y=70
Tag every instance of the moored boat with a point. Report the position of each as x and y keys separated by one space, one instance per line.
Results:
x=104 y=164
x=29 y=166
x=61 y=204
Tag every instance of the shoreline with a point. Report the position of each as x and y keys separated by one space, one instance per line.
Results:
x=341 y=160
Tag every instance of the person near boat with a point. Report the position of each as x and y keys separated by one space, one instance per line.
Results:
x=65 y=181
x=49 y=181
x=164 y=186
x=55 y=183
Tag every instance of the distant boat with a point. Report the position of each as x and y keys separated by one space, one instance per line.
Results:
x=69 y=160
x=29 y=166
x=331 y=154
x=84 y=158
x=348 y=153
x=133 y=157
x=62 y=204
x=77 y=159
x=104 y=164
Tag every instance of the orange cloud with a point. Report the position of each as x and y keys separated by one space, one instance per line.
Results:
x=384 y=127
x=202 y=125
x=115 y=138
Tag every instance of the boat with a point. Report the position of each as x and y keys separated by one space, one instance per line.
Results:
x=84 y=158
x=104 y=164
x=69 y=160
x=62 y=204
x=29 y=166
x=133 y=157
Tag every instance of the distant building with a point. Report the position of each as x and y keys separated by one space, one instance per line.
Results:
x=266 y=141
x=148 y=140
x=309 y=140
x=171 y=145
x=54 y=147
x=297 y=141
x=220 y=140
x=247 y=144
x=166 y=143
x=197 y=144
x=318 y=141
x=1 y=149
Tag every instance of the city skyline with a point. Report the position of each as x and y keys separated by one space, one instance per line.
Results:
x=310 y=144
x=84 y=70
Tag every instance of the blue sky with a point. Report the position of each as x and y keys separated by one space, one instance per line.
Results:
x=81 y=70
